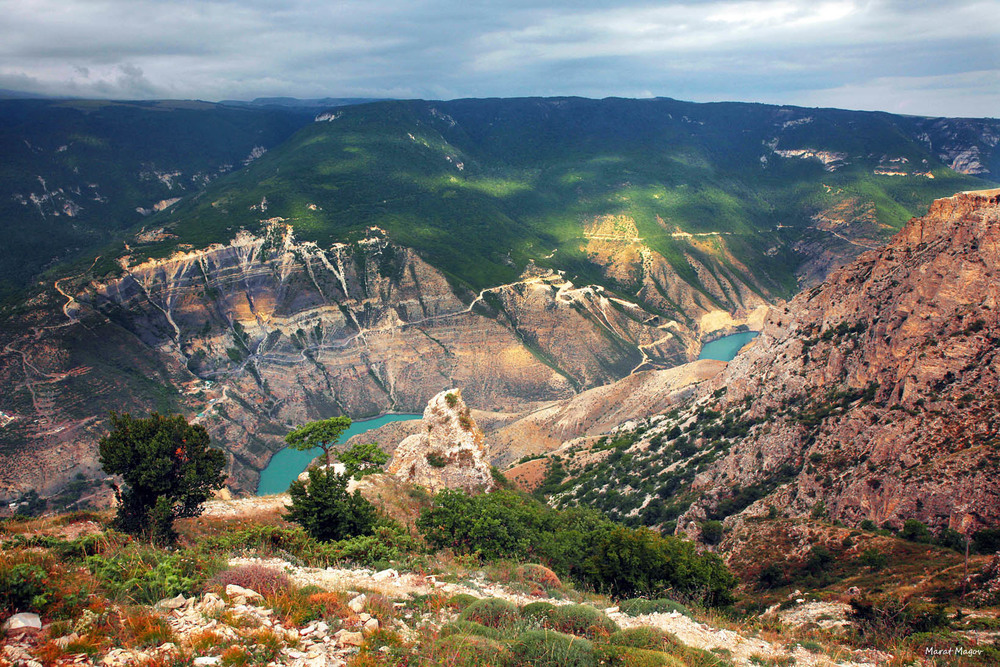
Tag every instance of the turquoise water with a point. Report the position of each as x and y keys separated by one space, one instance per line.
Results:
x=286 y=465
x=726 y=347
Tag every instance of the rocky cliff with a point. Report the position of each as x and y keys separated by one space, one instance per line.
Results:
x=265 y=332
x=872 y=396
x=449 y=452
x=879 y=388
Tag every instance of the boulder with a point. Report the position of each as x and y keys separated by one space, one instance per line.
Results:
x=241 y=595
x=22 y=621
x=352 y=639
x=449 y=454
x=357 y=604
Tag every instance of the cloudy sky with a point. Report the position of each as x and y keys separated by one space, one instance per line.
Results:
x=938 y=57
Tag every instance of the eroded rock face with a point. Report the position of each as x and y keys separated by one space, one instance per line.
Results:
x=879 y=389
x=449 y=454
x=265 y=332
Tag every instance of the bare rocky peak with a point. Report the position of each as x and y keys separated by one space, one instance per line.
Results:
x=450 y=453
x=879 y=388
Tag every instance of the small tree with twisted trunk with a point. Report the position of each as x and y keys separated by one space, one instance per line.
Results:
x=323 y=434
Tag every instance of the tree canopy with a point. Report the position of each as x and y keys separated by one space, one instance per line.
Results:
x=363 y=459
x=323 y=434
x=169 y=469
x=326 y=510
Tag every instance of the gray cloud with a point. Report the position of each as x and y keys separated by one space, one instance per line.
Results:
x=938 y=58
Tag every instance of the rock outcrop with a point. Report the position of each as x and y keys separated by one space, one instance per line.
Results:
x=449 y=454
x=875 y=395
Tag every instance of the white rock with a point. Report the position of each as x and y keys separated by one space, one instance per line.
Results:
x=22 y=620
x=358 y=604
x=352 y=639
x=240 y=595
x=371 y=625
x=172 y=603
x=385 y=574
x=206 y=660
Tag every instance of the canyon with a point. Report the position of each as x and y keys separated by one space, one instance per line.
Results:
x=871 y=397
x=265 y=332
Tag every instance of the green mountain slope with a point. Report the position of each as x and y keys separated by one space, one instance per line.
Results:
x=482 y=187
x=73 y=174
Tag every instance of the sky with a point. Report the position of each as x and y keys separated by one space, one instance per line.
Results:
x=939 y=58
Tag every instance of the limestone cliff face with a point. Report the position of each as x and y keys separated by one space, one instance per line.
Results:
x=261 y=334
x=880 y=388
x=450 y=453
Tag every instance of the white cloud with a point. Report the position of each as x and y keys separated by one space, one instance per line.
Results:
x=858 y=52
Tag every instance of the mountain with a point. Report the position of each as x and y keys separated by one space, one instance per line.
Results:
x=76 y=174
x=313 y=103
x=524 y=250
x=872 y=397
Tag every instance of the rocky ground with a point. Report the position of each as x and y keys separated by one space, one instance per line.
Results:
x=205 y=627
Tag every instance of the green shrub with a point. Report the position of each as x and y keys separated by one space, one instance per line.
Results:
x=986 y=541
x=470 y=651
x=537 y=610
x=950 y=538
x=639 y=561
x=326 y=510
x=590 y=548
x=581 y=620
x=469 y=628
x=460 y=601
x=653 y=639
x=915 y=531
x=496 y=525
x=772 y=576
x=23 y=587
x=624 y=656
x=642 y=606
x=888 y=618
x=491 y=612
x=711 y=532
x=873 y=559
x=146 y=575
x=545 y=648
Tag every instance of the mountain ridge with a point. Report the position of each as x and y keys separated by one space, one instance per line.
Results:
x=868 y=398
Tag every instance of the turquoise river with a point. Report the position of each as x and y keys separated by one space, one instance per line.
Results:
x=725 y=348
x=286 y=465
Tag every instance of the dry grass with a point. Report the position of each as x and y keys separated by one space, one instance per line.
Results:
x=191 y=530
x=267 y=581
